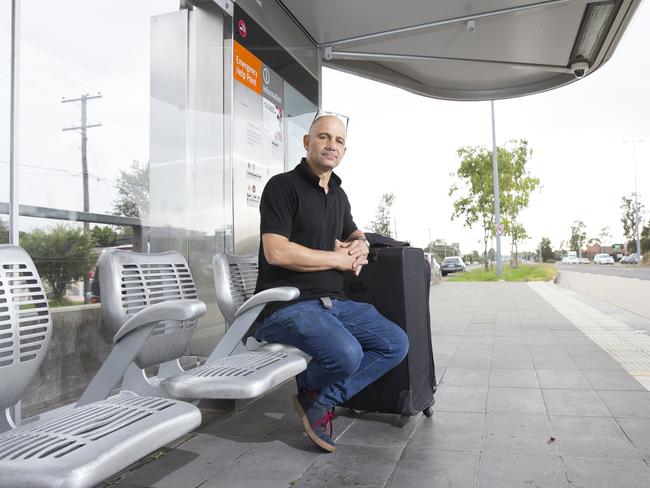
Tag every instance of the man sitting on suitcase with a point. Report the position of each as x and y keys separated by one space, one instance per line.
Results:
x=308 y=240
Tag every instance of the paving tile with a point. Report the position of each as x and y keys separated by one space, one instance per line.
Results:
x=378 y=430
x=554 y=362
x=488 y=340
x=599 y=437
x=511 y=362
x=638 y=431
x=452 y=431
x=190 y=464
x=471 y=362
x=350 y=466
x=598 y=362
x=562 y=379
x=420 y=468
x=515 y=401
x=599 y=473
x=574 y=402
x=511 y=350
x=627 y=403
x=457 y=376
x=461 y=398
x=253 y=423
x=514 y=378
x=270 y=464
x=510 y=340
x=612 y=380
x=518 y=434
x=505 y=470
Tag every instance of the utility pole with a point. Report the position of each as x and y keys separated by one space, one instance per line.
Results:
x=636 y=199
x=84 y=159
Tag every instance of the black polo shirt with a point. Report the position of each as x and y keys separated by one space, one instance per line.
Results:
x=293 y=205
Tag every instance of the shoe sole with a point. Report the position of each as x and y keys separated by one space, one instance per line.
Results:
x=307 y=426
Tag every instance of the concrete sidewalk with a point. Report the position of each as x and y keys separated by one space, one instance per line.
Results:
x=525 y=399
x=630 y=294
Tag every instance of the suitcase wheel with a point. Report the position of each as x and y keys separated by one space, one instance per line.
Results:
x=428 y=412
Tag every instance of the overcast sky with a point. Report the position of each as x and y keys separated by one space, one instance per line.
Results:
x=406 y=144
x=398 y=142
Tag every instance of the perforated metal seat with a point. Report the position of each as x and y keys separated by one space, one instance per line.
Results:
x=245 y=375
x=81 y=446
x=91 y=443
x=133 y=285
x=235 y=281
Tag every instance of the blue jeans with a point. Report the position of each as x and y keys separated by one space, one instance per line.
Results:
x=351 y=345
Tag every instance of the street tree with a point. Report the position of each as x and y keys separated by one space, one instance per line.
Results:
x=629 y=212
x=381 y=223
x=517 y=234
x=103 y=236
x=578 y=236
x=132 y=187
x=61 y=255
x=547 y=250
x=474 y=188
x=605 y=236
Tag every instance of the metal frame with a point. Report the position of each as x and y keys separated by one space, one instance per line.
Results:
x=329 y=54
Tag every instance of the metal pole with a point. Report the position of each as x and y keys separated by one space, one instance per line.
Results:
x=16 y=410
x=497 y=203
x=13 y=123
x=636 y=198
x=636 y=205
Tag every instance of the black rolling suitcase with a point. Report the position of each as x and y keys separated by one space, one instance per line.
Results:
x=396 y=281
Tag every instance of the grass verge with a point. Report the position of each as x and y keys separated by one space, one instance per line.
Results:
x=525 y=272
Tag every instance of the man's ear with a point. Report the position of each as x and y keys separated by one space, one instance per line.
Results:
x=305 y=142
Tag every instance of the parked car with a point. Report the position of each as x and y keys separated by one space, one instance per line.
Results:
x=452 y=264
x=584 y=260
x=570 y=260
x=603 y=258
x=633 y=259
x=625 y=259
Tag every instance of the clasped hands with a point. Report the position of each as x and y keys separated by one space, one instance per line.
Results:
x=353 y=255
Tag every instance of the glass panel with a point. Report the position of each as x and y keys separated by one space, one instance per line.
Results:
x=84 y=121
x=300 y=112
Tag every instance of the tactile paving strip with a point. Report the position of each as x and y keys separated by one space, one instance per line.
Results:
x=628 y=347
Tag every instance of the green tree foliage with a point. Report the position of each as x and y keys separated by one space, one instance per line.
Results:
x=103 y=236
x=605 y=236
x=4 y=232
x=547 y=250
x=133 y=191
x=628 y=216
x=61 y=255
x=517 y=234
x=382 y=221
x=474 y=190
x=578 y=236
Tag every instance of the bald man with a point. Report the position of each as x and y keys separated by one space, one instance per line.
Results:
x=308 y=240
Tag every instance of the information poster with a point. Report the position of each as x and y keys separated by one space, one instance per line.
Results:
x=259 y=122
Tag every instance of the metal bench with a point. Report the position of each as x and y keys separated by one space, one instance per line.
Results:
x=133 y=284
x=235 y=278
x=80 y=446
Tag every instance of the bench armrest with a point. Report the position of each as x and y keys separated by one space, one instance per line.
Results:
x=279 y=294
x=178 y=310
